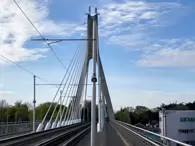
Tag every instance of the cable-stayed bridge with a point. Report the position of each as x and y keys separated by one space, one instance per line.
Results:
x=69 y=126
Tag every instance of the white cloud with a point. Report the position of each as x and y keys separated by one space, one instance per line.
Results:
x=130 y=25
x=133 y=41
x=15 y=29
x=148 y=15
x=131 y=15
x=169 y=53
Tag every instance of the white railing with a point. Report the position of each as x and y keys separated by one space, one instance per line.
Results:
x=152 y=138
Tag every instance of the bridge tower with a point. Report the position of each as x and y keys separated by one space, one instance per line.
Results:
x=104 y=102
x=98 y=76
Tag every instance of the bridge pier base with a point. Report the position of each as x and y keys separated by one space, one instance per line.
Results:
x=59 y=124
x=48 y=125
x=40 y=127
x=54 y=124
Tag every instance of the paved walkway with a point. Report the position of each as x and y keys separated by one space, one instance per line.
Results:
x=109 y=137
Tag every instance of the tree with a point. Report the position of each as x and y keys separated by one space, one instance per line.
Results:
x=123 y=115
x=22 y=111
x=3 y=108
x=11 y=112
x=140 y=109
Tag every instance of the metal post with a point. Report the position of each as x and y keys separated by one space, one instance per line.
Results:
x=100 y=120
x=164 y=124
x=34 y=104
x=94 y=80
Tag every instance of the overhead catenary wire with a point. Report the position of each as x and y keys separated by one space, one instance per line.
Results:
x=28 y=71
x=40 y=35
x=45 y=40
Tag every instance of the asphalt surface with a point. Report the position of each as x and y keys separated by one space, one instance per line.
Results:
x=109 y=137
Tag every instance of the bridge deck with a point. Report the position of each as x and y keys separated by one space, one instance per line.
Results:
x=109 y=137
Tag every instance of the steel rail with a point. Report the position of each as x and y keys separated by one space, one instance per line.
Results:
x=67 y=137
x=31 y=138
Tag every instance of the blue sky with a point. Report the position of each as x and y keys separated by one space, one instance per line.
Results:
x=147 y=48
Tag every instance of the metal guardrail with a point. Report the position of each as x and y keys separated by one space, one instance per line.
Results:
x=132 y=137
x=147 y=137
x=16 y=128
x=12 y=128
x=19 y=122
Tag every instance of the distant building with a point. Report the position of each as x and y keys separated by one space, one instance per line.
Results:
x=178 y=125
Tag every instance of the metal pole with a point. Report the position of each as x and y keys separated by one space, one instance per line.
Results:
x=34 y=103
x=100 y=119
x=94 y=80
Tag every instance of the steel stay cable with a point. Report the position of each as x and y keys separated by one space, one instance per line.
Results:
x=67 y=98
x=82 y=99
x=76 y=77
x=71 y=76
x=51 y=50
x=70 y=89
x=59 y=88
x=65 y=85
x=72 y=93
x=77 y=100
x=74 y=104
x=70 y=79
x=77 y=106
x=77 y=110
x=73 y=107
